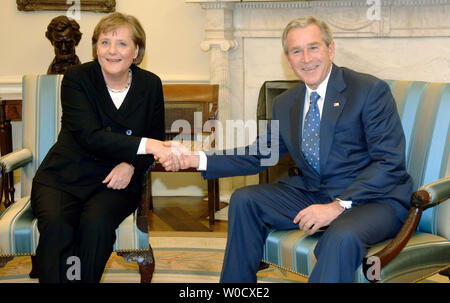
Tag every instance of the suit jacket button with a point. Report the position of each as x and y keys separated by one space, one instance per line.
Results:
x=108 y=129
x=323 y=183
x=129 y=132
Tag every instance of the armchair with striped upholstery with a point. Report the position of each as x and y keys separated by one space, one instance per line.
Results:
x=41 y=116
x=422 y=247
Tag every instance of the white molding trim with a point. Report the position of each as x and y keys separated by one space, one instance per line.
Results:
x=268 y=4
x=184 y=78
x=299 y=4
x=413 y=18
x=348 y=18
x=11 y=86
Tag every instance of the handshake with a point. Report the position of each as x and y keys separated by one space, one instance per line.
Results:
x=172 y=155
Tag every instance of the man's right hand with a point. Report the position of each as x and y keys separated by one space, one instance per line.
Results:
x=186 y=158
x=169 y=157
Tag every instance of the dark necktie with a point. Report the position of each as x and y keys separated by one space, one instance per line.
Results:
x=311 y=131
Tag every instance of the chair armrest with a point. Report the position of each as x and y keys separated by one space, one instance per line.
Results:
x=14 y=160
x=439 y=191
x=427 y=196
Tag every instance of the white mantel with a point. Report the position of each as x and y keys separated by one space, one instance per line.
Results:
x=403 y=39
x=347 y=18
x=391 y=39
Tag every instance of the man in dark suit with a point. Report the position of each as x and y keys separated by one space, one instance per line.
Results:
x=343 y=131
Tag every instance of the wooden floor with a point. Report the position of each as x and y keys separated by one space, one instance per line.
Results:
x=183 y=214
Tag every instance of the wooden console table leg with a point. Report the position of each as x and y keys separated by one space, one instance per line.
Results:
x=211 y=204
x=213 y=201
x=216 y=194
x=5 y=148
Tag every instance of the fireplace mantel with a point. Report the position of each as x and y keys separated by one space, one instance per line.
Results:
x=230 y=24
x=347 y=18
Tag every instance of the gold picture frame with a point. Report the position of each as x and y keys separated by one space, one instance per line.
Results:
x=102 y=6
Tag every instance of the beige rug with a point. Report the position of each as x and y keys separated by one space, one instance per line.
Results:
x=181 y=257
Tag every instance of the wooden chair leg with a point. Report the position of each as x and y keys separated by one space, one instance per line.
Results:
x=213 y=201
x=145 y=260
x=211 y=204
x=146 y=271
x=216 y=194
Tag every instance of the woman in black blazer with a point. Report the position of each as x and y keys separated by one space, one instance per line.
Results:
x=90 y=180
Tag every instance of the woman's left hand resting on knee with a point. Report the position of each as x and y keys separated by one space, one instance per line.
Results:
x=120 y=176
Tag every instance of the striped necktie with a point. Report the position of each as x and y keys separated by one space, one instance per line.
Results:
x=311 y=131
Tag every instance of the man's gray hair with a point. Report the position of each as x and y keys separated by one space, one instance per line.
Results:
x=327 y=34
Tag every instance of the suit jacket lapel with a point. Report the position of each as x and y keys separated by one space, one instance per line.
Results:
x=106 y=102
x=296 y=112
x=332 y=108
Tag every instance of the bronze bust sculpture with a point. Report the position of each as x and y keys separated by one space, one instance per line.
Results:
x=64 y=34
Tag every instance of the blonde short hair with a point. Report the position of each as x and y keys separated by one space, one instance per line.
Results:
x=115 y=20
x=327 y=34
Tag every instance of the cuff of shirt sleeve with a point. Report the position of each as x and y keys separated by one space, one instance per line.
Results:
x=203 y=161
x=345 y=204
x=141 y=149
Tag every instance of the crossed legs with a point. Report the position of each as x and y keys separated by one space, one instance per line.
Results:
x=254 y=209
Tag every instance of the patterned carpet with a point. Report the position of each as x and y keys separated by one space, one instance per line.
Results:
x=181 y=257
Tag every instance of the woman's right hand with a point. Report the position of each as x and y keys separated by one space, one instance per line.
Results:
x=167 y=156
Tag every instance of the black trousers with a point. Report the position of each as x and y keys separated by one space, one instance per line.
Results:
x=70 y=227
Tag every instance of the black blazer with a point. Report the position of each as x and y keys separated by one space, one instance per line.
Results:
x=95 y=136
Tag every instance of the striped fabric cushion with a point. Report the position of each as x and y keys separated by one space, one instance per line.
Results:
x=293 y=250
x=41 y=114
x=423 y=108
x=19 y=234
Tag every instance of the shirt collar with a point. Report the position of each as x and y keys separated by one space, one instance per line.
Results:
x=322 y=89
